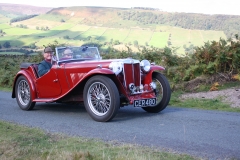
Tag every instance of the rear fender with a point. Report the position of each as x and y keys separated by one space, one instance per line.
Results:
x=29 y=79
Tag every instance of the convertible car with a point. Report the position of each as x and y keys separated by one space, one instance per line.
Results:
x=102 y=85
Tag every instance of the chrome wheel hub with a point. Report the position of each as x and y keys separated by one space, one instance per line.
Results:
x=23 y=91
x=99 y=98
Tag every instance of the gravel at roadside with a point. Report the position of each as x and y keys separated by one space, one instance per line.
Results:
x=231 y=95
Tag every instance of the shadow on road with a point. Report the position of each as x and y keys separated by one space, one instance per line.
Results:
x=59 y=107
x=124 y=114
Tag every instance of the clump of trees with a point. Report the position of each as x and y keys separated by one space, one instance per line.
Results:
x=2 y=33
x=6 y=44
x=145 y=8
x=22 y=18
x=42 y=28
x=185 y=20
x=21 y=26
x=66 y=37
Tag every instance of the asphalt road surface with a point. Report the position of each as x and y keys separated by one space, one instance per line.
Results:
x=206 y=134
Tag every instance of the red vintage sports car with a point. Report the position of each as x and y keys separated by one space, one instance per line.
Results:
x=103 y=85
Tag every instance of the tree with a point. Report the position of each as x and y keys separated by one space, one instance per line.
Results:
x=89 y=38
x=32 y=46
x=116 y=42
x=111 y=41
x=169 y=43
x=6 y=44
x=135 y=43
x=66 y=37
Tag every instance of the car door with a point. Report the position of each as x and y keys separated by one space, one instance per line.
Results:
x=48 y=86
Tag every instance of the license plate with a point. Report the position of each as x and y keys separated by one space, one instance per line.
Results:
x=145 y=102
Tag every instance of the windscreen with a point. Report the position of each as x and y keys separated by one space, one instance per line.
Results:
x=73 y=53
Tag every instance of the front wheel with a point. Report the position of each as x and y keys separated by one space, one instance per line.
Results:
x=101 y=98
x=23 y=94
x=162 y=91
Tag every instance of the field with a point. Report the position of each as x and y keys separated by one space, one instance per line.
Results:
x=72 y=27
x=20 y=31
x=159 y=39
x=37 y=22
x=114 y=34
x=142 y=36
x=94 y=32
x=4 y=26
x=74 y=32
x=15 y=40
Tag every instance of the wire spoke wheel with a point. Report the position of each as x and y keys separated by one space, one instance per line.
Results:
x=99 y=98
x=23 y=94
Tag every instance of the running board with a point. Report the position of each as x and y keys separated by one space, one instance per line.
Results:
x=44 y=100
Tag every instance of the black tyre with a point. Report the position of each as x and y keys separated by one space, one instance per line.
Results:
x=23 y=94
x=163 y=93
x=101 y=98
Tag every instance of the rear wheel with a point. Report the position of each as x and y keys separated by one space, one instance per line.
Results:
x=23 y=94
x=162 y=91
x=101 y=98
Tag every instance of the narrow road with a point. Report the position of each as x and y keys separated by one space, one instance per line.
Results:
x=206 y=134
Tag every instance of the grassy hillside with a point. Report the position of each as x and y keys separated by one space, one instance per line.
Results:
x=9 y=11
x=78 y=25
x=4 y=19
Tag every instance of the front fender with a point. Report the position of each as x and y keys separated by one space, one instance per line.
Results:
x=148 y=76
x=30 y=80
x=99 y=71
x=156 y=68
x=107 y=71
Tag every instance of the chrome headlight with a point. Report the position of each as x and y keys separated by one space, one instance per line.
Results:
x=145 y=65
x=116 y=67
x=132 y=87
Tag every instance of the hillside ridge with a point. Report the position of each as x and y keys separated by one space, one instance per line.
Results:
x=118 y=17
x=28 y=9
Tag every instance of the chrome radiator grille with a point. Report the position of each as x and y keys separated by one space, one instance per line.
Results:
x=132 y=73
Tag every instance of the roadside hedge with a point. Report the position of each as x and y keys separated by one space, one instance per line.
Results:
x=215 y=57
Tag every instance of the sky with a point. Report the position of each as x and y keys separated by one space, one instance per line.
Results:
x=229 y=7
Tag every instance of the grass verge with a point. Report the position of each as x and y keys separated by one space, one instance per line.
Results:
x=207 y=104
x=5 y=89
x=20 y=142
